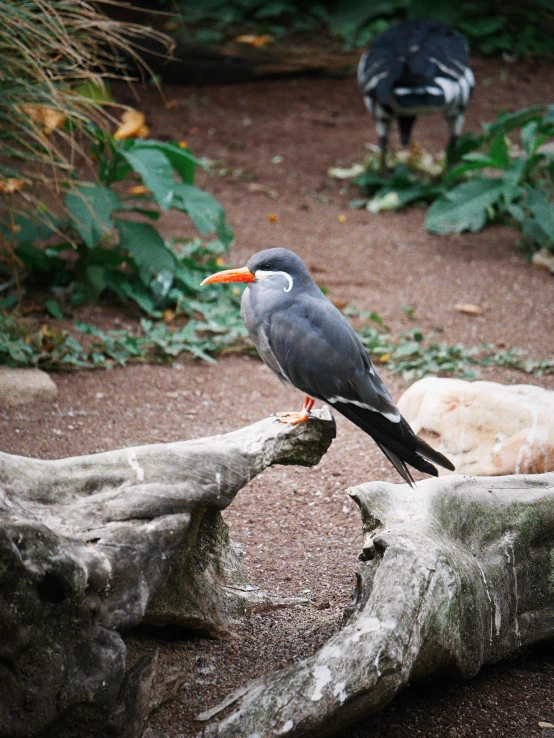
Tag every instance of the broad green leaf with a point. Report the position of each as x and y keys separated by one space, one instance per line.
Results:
x=513 y=178
x=479 y=27
x=182 y=160
x=155 y=170
x=499 y=153
x=465 y=207
x=38 y=262
x=356 y=12
x=99 y=93
x=28 y=230
x=534 y=233
x=90 y=209
x=54 y=309
x=529 y=137
x=146 y=248
x=96 y=280
x=133 y=290
x=543 y=210
x=508 y=121
x=205 y=211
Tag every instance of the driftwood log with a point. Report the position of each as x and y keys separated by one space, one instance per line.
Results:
x=456 y=573
x=94 y=545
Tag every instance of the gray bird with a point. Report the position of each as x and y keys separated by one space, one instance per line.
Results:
x=309 y=344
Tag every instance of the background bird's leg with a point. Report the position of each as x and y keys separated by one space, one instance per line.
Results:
x=451 y=152
x=383 y=128
x=300 y=417
x=405 y=125
x=455 y=124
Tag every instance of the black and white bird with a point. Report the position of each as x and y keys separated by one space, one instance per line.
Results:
x=309 y=344
x=416 y=68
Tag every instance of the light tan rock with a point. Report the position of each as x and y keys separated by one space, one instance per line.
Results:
x=484 y=428
x=21 y=386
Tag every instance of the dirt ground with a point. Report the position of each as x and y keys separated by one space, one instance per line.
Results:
x=299 y=530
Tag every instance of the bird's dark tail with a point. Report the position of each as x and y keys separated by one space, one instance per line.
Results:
x=397 y=441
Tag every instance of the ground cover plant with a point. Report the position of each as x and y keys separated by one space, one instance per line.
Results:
x=504 y=175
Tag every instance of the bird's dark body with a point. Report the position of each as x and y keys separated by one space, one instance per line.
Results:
x=415 y=68
x=308 y=343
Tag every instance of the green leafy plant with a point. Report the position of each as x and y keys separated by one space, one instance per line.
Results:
x=415 y=356
x=402 y=188
x=505 y=175
x=87 y=347
x=138 y=179
x=503 y=183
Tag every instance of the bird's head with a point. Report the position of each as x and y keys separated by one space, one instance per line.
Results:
x=269 y=263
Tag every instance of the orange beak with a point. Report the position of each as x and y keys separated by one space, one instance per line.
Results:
x=230 y=275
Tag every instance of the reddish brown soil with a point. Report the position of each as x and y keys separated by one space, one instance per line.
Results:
x=300 y=532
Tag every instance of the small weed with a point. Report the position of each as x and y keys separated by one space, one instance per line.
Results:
x=213 y=327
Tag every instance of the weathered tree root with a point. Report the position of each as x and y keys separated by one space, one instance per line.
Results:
x=455 y=574
x=97 y=544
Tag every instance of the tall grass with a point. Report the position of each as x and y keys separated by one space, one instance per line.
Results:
x=50 y=49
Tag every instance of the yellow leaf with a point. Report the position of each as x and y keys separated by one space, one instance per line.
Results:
x=273 y=218
x=8 y=186
x=132 y=125
x=468 y=308
x=342 y=218
x=219 y=261
x=183 y=145
x=252 y=40
x=138 y=190
x=50 y=118
x=383 y=359
x=168 y=316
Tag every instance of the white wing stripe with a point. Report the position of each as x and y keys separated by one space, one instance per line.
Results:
x=393 y=417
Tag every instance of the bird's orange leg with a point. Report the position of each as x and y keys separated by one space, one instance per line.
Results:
x=301 y=417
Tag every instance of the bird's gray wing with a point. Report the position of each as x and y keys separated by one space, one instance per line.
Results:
x=319 y=353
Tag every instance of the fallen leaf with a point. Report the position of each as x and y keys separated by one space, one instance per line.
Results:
x=273 y=218
x=132 y=126
x=339 y=304
x=468 y=309
x=170 y=104
x=346 y=173
x=544 y=259
x=194 y=130
x=10 y=185
x=168 y=315
x=252 y=40
x=342 y=218
x=50 y=118
x=183 y=145
x=138 y=190
x=257 y=187
x=219 y=261
x=384 y=358
x=390 y=201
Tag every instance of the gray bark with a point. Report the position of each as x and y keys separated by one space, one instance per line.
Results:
x=94 y=545
x=455 y=574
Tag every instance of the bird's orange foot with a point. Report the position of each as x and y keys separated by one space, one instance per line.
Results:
x=292 y=418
